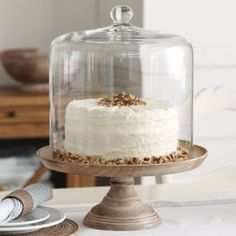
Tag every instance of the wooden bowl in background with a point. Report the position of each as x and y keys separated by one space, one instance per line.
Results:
x=27 y=66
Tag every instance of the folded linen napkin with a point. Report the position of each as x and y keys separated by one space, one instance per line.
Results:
x=23 y=201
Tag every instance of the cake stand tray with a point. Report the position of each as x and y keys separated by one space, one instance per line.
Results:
x=122 y=209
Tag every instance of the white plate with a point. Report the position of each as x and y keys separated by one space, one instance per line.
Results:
x=38 y=215
x=56 y=217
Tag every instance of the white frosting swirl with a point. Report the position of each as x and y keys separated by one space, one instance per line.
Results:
x=120 y=132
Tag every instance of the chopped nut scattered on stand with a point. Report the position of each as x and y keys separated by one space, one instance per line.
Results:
x=180 y=155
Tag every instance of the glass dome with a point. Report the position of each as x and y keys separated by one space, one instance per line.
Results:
x=121 y=95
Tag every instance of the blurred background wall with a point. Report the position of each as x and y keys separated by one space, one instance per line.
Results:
x=208 y=25
x=35 y=23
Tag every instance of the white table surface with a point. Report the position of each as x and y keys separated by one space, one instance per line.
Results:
x=77 y=201
x=216 y=219
x=220 y=184
x=167 y=192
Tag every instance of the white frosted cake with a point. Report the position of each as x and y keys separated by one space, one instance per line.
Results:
x=93 y=128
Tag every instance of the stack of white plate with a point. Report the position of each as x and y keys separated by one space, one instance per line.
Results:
x=41 y=217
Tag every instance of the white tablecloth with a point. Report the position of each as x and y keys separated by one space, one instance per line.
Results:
x=195 y=218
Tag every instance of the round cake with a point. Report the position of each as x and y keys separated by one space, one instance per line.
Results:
x=120 y=128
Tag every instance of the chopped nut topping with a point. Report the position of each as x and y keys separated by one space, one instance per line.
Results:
x=181 y=154
x=121 y=99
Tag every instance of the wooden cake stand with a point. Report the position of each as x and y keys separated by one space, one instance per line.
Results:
x=122 y=209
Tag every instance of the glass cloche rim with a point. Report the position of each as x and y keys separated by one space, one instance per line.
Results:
x=120 y=32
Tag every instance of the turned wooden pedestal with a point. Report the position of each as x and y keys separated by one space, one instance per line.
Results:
x=122 y=209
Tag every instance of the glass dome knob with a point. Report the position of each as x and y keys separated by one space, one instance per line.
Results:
x=121 y=14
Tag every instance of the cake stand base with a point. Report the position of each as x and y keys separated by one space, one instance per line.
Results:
x=122 y=209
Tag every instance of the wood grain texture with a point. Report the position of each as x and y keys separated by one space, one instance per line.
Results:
x=23 y=114
x=78 y=181
x=24 y=131
x=122 y=209
x=198 y=156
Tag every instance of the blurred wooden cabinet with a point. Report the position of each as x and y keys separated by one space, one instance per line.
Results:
x=23 y=114
x=26 y=115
